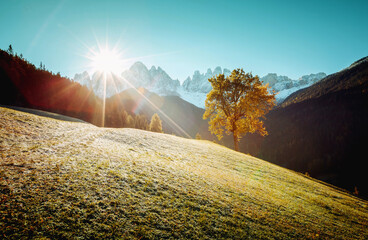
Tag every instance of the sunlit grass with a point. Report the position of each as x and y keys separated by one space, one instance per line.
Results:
x=72 y=180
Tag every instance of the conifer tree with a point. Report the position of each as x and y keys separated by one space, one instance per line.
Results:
x=236 y=103
x=141 y=122
x=156 y=124
x=10 y=50
x=198 y=136
x=130 y=122
x=123 y=118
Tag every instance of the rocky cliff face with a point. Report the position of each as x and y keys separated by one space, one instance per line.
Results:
x=199 y=82
x=155 y=79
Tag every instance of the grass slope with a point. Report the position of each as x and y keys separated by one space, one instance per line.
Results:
x=69 y=180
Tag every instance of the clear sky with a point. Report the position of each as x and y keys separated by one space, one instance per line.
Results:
x=290 y=38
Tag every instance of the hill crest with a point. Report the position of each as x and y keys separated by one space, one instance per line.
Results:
x=356 y=75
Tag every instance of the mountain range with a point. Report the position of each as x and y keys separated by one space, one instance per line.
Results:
x=193 y=89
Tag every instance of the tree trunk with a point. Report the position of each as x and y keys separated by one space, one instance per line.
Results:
x=236 y=142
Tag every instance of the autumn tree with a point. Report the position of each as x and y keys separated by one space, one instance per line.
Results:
x=130 y=123
x=236 y=104
x=123 y=118
x=156 y=124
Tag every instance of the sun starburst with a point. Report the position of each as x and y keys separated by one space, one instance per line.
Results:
x=106 y=60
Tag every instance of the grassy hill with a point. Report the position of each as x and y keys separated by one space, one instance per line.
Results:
x=67 y=180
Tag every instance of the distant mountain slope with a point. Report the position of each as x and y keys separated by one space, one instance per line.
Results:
x=322 y=130
x=64 y=180
x=178 y=116
x=347 y=79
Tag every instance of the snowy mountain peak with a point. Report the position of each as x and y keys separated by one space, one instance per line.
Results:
x=138 y=67
x=199 y=82
x=311 y=78
x=284 y=86
x=217 y=71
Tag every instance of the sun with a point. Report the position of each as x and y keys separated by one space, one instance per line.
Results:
x=106 y=61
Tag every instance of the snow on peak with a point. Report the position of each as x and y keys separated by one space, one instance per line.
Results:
x=285 y=86
x=199 y=81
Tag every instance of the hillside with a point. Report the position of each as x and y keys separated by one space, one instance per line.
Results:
x=44 y=114
x=350 y=78
x=63 y=180
x=24 y=85
x=322 y=130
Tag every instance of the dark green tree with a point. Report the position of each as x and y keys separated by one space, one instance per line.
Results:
x=10 y=50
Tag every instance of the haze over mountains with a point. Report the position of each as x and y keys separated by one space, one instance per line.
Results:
x=193 y=89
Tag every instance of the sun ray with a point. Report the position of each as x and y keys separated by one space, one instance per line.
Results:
x=159 y=110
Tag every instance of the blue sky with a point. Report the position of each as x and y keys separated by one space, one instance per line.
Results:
x=290 y=38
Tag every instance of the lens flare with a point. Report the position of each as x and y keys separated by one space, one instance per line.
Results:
x=106 y=61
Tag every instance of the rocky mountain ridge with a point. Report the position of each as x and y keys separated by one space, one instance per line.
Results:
x=194 y=89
